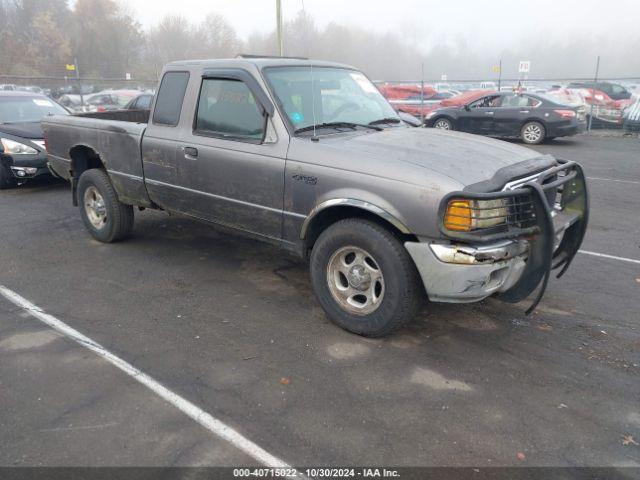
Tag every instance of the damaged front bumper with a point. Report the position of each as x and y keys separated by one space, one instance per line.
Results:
x=466 y=273
x=514 y=262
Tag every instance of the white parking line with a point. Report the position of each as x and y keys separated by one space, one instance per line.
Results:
x=611 y=257
x=203 y=418
x=614 y=180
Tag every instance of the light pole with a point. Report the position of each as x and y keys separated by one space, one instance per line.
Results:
x=279 y=27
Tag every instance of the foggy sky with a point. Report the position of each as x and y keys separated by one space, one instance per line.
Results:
x=488 y=23
x=462 y=38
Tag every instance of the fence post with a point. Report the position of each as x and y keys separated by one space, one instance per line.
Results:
x=593 y=94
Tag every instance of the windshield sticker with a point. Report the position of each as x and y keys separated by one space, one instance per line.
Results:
x=42 y=103
x=296 y=117
x=364 y=84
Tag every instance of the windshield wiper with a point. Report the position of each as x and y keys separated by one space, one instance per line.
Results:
x=337 y=125
x=385 y=120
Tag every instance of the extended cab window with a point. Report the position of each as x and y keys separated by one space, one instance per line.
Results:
x=228 y=109
x=170 y=97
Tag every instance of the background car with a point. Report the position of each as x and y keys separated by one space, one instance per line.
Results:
x=531 y=117
x=141 y=102
x=22 y=149
x=614 y=91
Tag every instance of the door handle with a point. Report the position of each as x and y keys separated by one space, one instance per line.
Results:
x=524 y=111
x=489 y=113
x=190 y=151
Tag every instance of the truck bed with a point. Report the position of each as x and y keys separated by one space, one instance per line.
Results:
x=114 y=136
x=135 y=116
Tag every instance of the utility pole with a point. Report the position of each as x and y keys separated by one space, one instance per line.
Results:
x=279 y=27
x=499 y=74
x=75 y=62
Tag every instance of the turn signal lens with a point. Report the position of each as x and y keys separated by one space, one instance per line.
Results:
x=458 y=216
x=468 y=215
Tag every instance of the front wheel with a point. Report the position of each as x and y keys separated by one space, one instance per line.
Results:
x=364 y=278
x=107 y=219
x=443 y=124
x=532 y=133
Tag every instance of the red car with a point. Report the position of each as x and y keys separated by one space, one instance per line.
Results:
x=412 y=99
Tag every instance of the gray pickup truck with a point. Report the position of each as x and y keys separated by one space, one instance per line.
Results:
x=310 y=156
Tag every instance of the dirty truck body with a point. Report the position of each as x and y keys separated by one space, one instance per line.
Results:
x=309 y=156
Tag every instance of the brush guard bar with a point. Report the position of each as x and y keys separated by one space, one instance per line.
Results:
x=558 y=205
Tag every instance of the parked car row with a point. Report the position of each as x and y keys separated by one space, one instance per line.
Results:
x=601 y=103
x=106 y=100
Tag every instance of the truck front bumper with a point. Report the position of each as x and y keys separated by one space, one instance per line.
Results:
x=466 y=273
x=472 y=267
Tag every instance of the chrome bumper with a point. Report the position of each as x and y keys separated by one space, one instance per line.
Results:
x=468 y=273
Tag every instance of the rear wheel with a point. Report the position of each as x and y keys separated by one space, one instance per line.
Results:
x=364 y=278
x=443 y=124
x=7 y=180
x=107 y=219
x=532 y=133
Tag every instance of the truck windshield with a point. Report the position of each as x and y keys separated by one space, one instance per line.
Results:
x=340 y=95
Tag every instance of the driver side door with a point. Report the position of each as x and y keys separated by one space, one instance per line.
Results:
x=230 y=162
x=478 y=117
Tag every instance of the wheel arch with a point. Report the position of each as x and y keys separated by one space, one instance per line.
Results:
x=536 y=120
x=82 y=158
x=446 y=116
x=331 y=211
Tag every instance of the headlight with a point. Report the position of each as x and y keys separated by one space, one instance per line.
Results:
x=17 y=148
x=467 y=215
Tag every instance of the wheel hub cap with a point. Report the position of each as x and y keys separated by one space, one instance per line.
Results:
x=95 y=207
x=359 y=278
x=355 y=280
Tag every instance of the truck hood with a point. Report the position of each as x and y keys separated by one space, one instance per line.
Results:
x=31 y=130
x=467 y=159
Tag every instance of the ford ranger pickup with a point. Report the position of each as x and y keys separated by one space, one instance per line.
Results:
x=310 y=156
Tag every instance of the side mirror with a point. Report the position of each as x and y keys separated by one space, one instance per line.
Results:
x=467 y=108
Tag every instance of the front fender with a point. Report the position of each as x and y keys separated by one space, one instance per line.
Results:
x=351 y=202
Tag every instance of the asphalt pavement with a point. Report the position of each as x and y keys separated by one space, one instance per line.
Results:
x=232 y=326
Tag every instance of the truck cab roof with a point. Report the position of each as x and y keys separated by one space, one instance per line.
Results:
x=256 y=62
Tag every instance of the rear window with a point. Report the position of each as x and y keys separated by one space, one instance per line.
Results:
x=170 y=97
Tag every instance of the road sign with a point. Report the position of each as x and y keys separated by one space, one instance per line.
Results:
x=443 y=77
x=127 y=76
x=495 y=69
x=71 y=67
x=524 y=66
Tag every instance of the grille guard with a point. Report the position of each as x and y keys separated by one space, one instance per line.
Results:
x=542 y=258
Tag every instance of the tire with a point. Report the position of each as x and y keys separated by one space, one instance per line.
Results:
x=532 y=133
x=399 y=289
x=443 y=123
x=107 y=219
x=7 y=180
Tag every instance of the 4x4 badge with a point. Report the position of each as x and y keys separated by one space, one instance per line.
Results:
x=309 y=180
